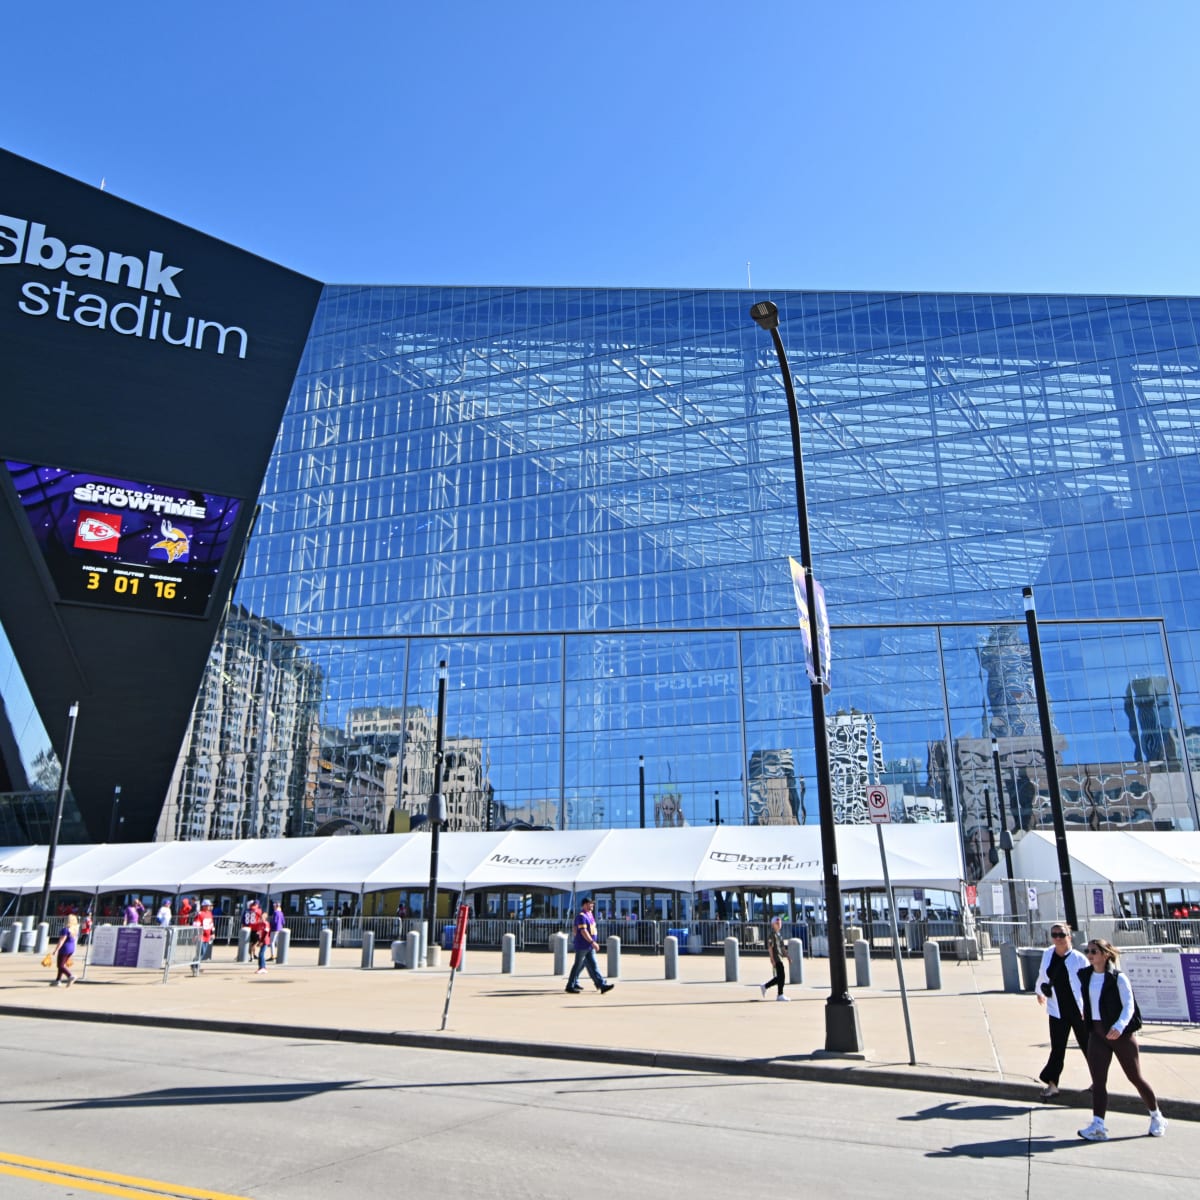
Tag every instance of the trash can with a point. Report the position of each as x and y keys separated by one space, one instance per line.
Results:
x=1029 y=959
x=680 y=936
x=448 y=938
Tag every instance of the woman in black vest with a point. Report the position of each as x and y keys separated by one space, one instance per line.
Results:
x=1105 y=997
x=1055 y=990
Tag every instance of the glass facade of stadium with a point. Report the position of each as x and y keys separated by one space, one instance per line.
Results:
x=583 y=502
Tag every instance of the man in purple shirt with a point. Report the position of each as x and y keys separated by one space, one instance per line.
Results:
x=585 y=951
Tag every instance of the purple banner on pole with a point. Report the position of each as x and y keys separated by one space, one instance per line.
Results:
x=1191 y=983
x=129 y=939
x=1098 y=901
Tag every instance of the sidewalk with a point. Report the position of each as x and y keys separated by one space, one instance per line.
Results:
x=970 y=1037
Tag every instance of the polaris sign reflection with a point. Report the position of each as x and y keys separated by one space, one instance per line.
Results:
x=27 y=243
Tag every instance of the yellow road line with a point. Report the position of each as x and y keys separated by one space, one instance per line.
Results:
x=107 y=1183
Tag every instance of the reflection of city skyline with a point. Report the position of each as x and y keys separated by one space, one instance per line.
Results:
x=259 y=757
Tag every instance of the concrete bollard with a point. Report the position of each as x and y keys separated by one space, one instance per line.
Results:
x=433 y=955
x=671 y=957
x=614 y=957
x=731 y=960
x=558 y=947
x=862 y=963
x=508 y=954
x=283 y=943
x=1010 y=972
x=43 y=939
x=368 y=950
x=795 y=953
x=10 y=940
x=967 y=949
x=933 y=966
x=414 y=940
x=243 y=954
x=325 y=948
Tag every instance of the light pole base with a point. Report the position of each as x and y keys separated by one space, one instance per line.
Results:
x=842 y=1032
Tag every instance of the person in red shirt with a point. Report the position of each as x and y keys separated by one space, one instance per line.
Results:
x=206 y=928
x=185 y=911
x=260 y=929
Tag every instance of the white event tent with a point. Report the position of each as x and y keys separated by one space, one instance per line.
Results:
x=728 y=856
x=1116 y=861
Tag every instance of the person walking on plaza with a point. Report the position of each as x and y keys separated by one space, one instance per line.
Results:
x=205 y=928
x=250 y=922
x=163 y=916
x=278 y=925
x=1105 y=997
x=585 y=948
x=133 y=912
x=64 y=951
x=260 y=930
x=1061 y=963
x=777 y=952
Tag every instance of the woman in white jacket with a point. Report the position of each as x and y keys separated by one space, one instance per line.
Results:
x=1056 y=983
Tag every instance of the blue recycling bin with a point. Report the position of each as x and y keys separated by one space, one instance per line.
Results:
x=680 y=934
x=448 y=938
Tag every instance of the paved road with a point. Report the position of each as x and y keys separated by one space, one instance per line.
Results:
x=269 y=1119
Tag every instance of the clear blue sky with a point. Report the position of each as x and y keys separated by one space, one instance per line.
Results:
x=895 y=144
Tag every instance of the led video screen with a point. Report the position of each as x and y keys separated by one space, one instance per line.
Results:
x=125 y=543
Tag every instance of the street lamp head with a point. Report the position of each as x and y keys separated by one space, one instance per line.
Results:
x=765 y=314
x=1006 y=840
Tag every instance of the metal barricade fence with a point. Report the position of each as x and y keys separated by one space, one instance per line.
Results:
x=1023 y=934
x=633 y=934
x=1181 y=932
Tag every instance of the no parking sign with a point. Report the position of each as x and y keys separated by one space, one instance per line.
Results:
x=879 y=807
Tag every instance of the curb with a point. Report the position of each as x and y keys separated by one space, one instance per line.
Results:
x=830 y=1070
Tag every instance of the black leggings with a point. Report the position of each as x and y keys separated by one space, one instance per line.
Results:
x=776 y=980
x=1060 y=1035
x=1100 y=1053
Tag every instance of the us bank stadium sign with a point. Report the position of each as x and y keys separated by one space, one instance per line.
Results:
x=54 y=274
x=235 y=866
x=761 y=862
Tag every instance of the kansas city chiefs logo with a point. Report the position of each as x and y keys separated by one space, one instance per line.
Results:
x=98 y=531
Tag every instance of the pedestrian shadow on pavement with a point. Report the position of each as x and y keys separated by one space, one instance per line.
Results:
x=1018 y=1147
x=956 y=1110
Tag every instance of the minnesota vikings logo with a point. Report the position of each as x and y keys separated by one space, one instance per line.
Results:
x=175 y=543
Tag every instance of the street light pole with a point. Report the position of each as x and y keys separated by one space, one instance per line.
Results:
x=1056 y=809
x=642 y=791
x=72 y=714
x=842 y=1032
x=1006 y=840
x=437 y=814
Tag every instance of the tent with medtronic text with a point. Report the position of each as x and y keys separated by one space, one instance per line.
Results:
x=689 y=859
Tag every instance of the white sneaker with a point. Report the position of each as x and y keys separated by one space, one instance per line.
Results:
x=1158 y=1124
x=1095 y=1132
x=762 y=990
x=785 y=999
